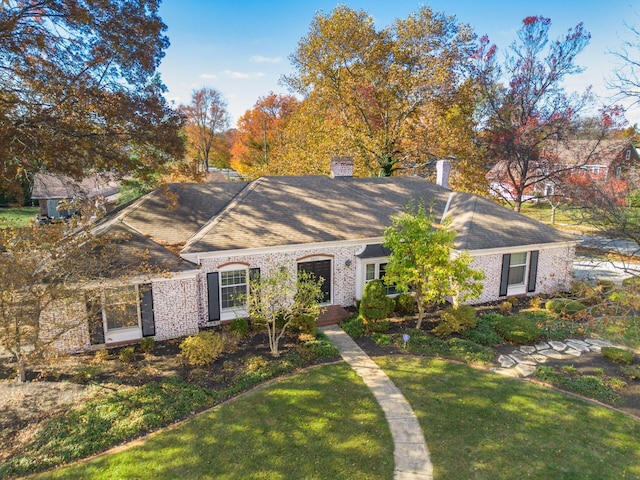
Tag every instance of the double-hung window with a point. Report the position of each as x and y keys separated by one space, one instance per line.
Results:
x=376 y=271
x=519 y=273
x=234 y=285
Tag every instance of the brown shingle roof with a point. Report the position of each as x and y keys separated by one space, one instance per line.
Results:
x=275 y=211
x=47 y=185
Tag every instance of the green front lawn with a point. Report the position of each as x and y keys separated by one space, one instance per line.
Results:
x=564 y=218
x=17 y=217
x=322 y=423
x=483 y=426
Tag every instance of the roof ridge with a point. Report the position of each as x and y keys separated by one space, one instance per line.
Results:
x=213 y=221
x=124 y=212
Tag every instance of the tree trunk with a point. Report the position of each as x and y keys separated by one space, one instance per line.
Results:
x=553 y=214
x=22 y=372
x=420 y=315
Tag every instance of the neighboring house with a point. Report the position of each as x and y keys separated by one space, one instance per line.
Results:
x=223 y=233
x=603 y=160
x=51 y=189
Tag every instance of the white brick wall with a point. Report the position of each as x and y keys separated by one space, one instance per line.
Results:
x=175 y=307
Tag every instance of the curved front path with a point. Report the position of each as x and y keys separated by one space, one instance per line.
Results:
x=410 y=454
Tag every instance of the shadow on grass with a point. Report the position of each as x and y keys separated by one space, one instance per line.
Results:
x=323 y=423
x=483 y=426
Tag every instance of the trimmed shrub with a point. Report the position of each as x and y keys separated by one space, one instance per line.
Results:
x=513 y=301
x=381 y=326
x=316 y=349
x=375 y=305
x=632 y=372
x=203 y=348
x=405 y=304
x=617 y=355
x=456 y=320
x=564 y=306
x=505 y=307
x=381 y=339
x=304 y=324
x=240 y=325
x=147 y=344
x=518 y=329
x=484 y=333
x=535 y=302
x=354 y=327
x=127 y=354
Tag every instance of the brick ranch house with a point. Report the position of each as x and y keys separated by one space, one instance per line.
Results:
x=211 y=237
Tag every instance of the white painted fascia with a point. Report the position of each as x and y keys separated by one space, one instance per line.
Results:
x=521 y=248
x=197 y=257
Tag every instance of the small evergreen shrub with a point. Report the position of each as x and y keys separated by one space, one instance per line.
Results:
x=316 y=349
x=100 y=356
x=303 y=324
x=147 y=344
x=505 y=307
x=381 y=326
x=127 y=354
x=484 y=332
x=518 y=329
x=375 y=305
x=381 y=339
x=535 y=302
x=513 y=301
x=405 y=304
x=240 y=325
x=203 y=348
x=617 y=355
x=632 y=372
x=354 y=326
x=456 y=320
x=564 y=306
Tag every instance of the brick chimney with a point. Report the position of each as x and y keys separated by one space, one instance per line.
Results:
x=341 y=166
x=443 y=168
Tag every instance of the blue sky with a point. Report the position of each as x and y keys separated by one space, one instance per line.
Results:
x=241 y=47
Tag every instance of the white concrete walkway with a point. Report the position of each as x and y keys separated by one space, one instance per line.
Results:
x=410 y=454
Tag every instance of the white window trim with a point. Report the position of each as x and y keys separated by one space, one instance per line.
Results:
x=237 y=312
x=521 y=288
x=361 y=274
x=124 y=334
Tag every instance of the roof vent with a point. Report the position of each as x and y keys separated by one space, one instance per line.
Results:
x=341 y=166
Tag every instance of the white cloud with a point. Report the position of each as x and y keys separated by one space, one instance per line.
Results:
x=209 y=76
x=262 y=59
x=243 y=75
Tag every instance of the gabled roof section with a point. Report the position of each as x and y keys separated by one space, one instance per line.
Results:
x=276 y=211
x=279 y=211
x=481 y=224
x=172 y=214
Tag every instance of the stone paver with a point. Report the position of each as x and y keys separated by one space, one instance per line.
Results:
x=524 y=361
x=410 y=454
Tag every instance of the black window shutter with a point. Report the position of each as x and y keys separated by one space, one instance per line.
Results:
x=146 y=311
x=533 y=271
x=213 y=287
x=254 y=273
x=504 y=278
x=94 y=318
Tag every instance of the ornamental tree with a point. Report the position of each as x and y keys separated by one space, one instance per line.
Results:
x=423 y=262
x=524 y=106
x=277 y=300
x=43 y=270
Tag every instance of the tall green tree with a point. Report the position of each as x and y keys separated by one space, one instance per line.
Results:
x=423 y=261
x=79 y=88
x=525 y=107
x=376 y=82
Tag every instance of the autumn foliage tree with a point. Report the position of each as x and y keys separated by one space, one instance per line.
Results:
x=206 y=121
x=525 y=106
x=43 y=270
x=261 y=137
x=376 y=83
x=79 y=89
